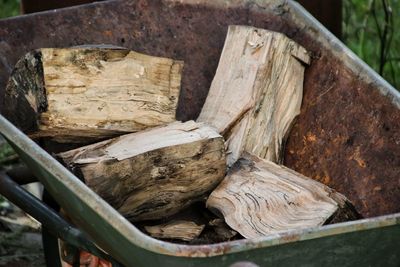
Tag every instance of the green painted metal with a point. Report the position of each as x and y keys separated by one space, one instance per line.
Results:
x=368 y=242
x=50 y=219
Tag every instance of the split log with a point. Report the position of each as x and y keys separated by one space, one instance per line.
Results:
x=181 y=230
x=189 y=220
x=259 y=197
x=90 y=93
x=154 y=173
x=256 y=92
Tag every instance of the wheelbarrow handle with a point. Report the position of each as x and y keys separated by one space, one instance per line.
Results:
x=21 y=174
x=49 y=218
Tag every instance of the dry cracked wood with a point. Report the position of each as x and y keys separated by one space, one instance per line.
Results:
x=259 y=197
x=256 y=92
x=154 y=173
x=90 y=93
x=179 y=229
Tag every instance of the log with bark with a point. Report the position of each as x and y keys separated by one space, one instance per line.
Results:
x=154 y=173
x=179 y=229
x=90 y=93
x=193 y=225
x=256 y=92
x=259 y=197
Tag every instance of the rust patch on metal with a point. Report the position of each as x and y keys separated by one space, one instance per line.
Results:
x=347 y=135
x=288 y=238
x=357 y=129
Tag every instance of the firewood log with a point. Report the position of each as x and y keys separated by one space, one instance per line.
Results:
x=256 y=92
x=90 y=93
x=154 y=173
x=181 y=230
x=259 y=197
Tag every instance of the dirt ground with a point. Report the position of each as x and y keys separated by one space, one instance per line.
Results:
x=20 y=240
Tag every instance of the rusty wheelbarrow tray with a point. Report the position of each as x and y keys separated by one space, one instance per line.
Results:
x=347 y=135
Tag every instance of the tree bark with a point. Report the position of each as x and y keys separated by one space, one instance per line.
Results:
x=154 y=173
x=259 y=197
x=90 y=93
x=256 y=92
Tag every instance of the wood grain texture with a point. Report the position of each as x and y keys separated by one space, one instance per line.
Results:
x=74 y=94
x=154 y=173
x=259 y=197
x=256 y=92
x=179 y=229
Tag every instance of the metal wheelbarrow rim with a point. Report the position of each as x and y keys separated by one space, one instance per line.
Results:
x=108 y=228
x=110 y=216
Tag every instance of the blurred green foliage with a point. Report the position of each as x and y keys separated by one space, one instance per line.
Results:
x=9 y=8
x=6 y=152
x=371 y=28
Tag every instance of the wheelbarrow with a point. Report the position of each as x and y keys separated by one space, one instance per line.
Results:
x=347 y=135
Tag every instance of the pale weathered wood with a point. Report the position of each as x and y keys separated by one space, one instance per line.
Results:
x=179 y=229
x=88 y=93
x=259 y=197
x=256 y=92
x=154 y=173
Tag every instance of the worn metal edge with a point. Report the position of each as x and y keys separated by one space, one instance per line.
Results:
x=305 y=20
x=47 y=162
x=298 y=14
x=301 y=17
x=139 y=239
